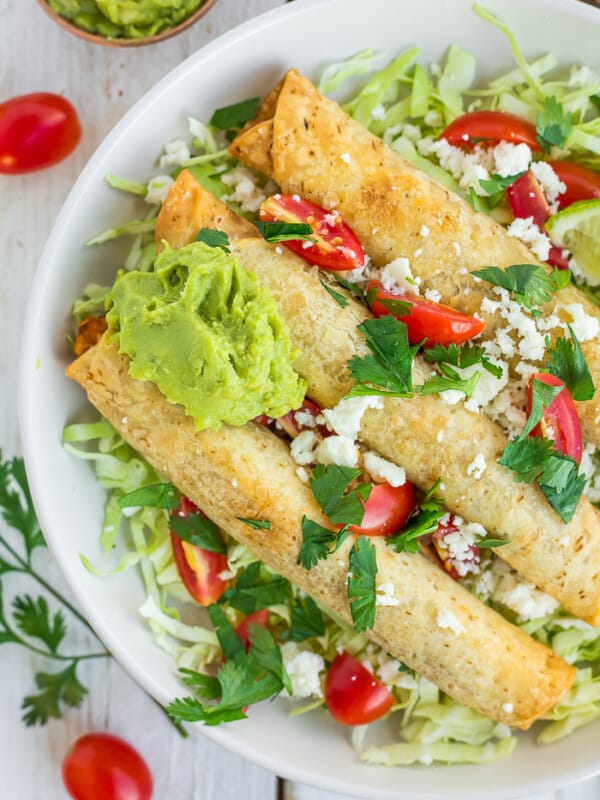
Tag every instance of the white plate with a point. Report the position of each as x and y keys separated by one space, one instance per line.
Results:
x=245 y=62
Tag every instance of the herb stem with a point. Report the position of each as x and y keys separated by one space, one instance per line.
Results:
x=62 y=600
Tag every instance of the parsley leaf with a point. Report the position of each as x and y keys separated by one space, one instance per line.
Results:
x=318 y=542
x=285 y=231
x=214 y=238
x=390 y=363
x=235 y=115
x=33 y=619
x=496 y=185
x=158 y=495
x=329 y=484
x=256 y=524
x=567 y=362
x=256 y=588
x=199 y=531
x=57 y=689
x=361 y=584
x=339 y=298
x=461 y=356
x=307 y=620
x=531 y=285
x=554 y=124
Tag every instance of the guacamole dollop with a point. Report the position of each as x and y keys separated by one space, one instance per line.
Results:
x=125 y=19
x=207 y=333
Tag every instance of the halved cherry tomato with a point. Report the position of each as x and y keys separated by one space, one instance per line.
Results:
x=581 y=183
x=387 y=509
x=336 y=248
x=199 y=569
x=36 y=131
x=354 y=696
x=527 y=199
x=437 y=539
x=491 y=127
x=433 y=322
x=260 y=617
x=560 y=421
x=100 y=766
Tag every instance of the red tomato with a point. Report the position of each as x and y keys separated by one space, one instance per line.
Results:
x=492 y=127
x=581 y=183
x=103 y=767
x=354 y=696
x=437 y=539
x=198 y=568
x=387 y=509
x=433 y=322
x=260 y=617
x=560 y=421
x=36 y=131
x=336 y=248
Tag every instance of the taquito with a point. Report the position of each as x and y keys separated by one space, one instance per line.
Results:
x=481 y=660
x=425 y=435
x=309 y=146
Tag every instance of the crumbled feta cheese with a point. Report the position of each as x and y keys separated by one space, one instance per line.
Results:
x=124 y=420
x=508 y=708
x=528 y=232
x=584 y=326
x=501 y=731
x=303 y=447
x=305 y=419
x=446 y=619
x=424 y=230
x=176 y=154
x=338 y=450
x=302 y=474
x=397 y=277
x=477 y=467
x=418 y=252
x=521 y=596
x=383 y=470
x=384 y=595
x=279 y=250
x=433 y=295
x=304 y=669
x=345 y=158
x=246 y=190
x=345 y=418
x=234 y=483
x=158 y=188
x=452 y=396
x=390 y=670
x=467 y=167
x=440 y=436
x=378 y=112
x=457 y=248
x=551 y=184
x=510 y=159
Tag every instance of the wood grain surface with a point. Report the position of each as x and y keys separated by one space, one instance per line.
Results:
x=35 y=55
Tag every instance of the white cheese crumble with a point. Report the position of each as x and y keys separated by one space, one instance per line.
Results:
x=383 y=470
x=424 y=231
x=446 y=619
x=433 y=295
x=384 y=595
x=338 y=450
x=176 y=154
x=551 y=184
x=397 y=277
x=584 y=326
x=345 y=158
x=304 y=669
x=528 y=232
x=158 y=188
x=510 y=589
x=477 y=467
x=508 y=708
x=346 y=416
x=510 y=159
x=303 y=447
x=246 y=190
x=378 y=112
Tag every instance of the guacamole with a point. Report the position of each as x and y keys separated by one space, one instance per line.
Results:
x=208 y=335
x=125 y=19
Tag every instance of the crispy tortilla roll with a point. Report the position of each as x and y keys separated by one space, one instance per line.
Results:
x=481 y=659
x=426 y=436
x=309 y=146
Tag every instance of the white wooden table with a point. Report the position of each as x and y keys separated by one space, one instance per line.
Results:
x=35 y=55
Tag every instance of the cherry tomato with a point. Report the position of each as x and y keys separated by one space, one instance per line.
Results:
x=199 y=569
x=387 y=509
x=581 y=183
x=492 y=127
x=100 y=766
x=354 y=696
x=260 y=617
x=560 y=421
x=437 y=539
x=336 y=248
x=36 y=131
x=433 y=322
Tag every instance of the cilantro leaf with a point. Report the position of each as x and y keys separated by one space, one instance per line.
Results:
x=567 y=362
x=307 y=620
x=451 y=380
x=554 y=124
x=16 y=504
x=496 y=185
x=390 y=363
x=479 y=203
x=353 y=288
x=33 y=619
x=256 y=524
x=231 y=644
x=329 y=484
x=256 y=588
x=339 y=298
x=57 y=689
x=318 y=542
x=482 y=544
x=199 y=531
x=424 y=521
x=526 y=457
x=361 y=584
x=285 y=231
x=461 y=356
x=235 y=115
x=206 y=686
x=268 y=655
x=158 y=495
x=531 y=285
x=189 y=709
x=214 y=238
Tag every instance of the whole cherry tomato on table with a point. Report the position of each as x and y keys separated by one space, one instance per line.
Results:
x=100 y=766
x=352 y=695
x=36 y=131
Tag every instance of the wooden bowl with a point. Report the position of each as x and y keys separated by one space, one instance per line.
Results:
x=95 y=38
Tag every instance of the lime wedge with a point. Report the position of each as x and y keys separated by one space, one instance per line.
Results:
x=577 y=228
